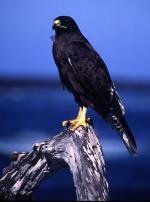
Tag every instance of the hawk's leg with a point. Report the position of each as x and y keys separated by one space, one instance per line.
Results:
x=80 y=120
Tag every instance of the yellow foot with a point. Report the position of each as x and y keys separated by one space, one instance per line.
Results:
x=69 y=122
x=75 y=123
x=80 y=122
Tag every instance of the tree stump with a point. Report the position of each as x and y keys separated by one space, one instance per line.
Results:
x=80 y=150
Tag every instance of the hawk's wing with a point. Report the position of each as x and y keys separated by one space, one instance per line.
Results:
x=92 y=72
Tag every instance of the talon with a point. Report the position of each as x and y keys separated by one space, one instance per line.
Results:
x=69 y=123
x=79 y=121
x=65 y=123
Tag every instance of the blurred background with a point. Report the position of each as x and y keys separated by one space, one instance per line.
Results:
x=33 y=104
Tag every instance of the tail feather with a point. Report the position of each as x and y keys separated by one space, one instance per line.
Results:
x=120 y=124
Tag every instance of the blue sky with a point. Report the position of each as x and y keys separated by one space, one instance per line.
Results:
x=118 y=29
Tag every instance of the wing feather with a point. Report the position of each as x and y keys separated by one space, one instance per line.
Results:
x=92 y=73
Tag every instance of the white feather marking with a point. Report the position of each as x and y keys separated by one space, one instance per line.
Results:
x=114 y=117
x=125 y=138
x=111 y=91
x=119 y=100
x=122 y=107
x=69 y=60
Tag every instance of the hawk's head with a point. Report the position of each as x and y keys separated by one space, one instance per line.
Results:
x=65 y=24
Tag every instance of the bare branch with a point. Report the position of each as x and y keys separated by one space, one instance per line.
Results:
x=80 y=151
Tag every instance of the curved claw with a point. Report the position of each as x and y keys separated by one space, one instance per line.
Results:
x=65 y=123
x=68 y=123
x=74 y=124
x=81 y=122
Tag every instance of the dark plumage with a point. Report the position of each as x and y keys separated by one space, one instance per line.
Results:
x=84 y=73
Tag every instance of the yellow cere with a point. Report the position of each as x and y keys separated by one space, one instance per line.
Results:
x=57 y=22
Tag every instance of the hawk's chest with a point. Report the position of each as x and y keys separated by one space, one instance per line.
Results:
x=59 y=50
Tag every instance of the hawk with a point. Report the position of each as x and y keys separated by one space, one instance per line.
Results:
x=83 y=72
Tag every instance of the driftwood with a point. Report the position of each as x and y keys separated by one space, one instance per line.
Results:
x=80 y=151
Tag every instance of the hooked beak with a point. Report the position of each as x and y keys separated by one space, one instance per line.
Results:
x=57 y=24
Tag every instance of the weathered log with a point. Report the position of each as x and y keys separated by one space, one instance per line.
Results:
x=80 y=150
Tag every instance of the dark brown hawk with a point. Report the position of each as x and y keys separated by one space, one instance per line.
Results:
x=83 y=72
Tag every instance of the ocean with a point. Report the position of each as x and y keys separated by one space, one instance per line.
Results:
x=33 y=113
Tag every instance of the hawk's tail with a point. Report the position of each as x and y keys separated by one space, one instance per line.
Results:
x=124 y=131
